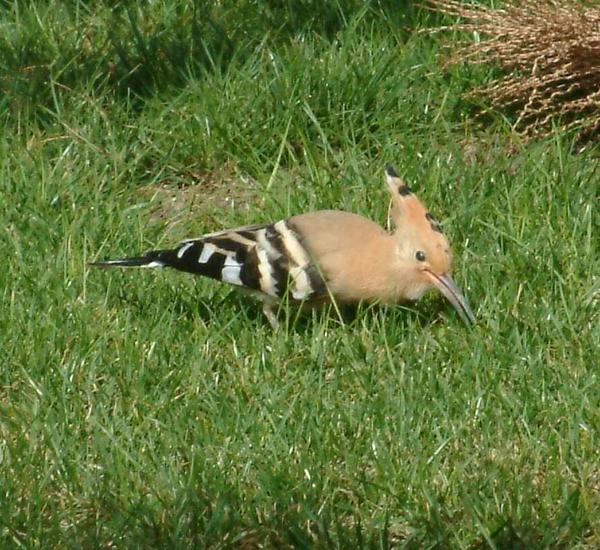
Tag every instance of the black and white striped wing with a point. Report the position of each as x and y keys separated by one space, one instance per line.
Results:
x=270 y=259
x=267 y=258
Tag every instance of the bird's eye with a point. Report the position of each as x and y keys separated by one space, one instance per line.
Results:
x=420 y=255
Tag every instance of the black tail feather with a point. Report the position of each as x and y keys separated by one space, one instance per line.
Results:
x=232 y=259
x=136 y=261
x=192 y=257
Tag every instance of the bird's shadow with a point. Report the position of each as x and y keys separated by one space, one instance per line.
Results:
x=302 y=319
x=188 y=305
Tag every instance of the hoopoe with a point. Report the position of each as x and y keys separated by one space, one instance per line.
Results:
x=327 y=255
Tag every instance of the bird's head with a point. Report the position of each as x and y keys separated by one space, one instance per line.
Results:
x=422 y=248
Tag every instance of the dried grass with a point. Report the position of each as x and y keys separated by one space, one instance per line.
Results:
x=202 y=195
x=549 y=51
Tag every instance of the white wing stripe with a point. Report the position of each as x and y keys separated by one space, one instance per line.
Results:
x=264 y=268
x=231 y=274
x=296 y=251
x=182 y=250
x=264 y=242
x=302 y=286
x=230 y=261
x=207 y=251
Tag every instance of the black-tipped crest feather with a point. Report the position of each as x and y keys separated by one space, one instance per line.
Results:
x=389 y=170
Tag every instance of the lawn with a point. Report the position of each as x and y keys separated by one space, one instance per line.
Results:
x=153 y=409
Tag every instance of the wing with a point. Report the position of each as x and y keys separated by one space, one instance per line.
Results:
x=269 y=258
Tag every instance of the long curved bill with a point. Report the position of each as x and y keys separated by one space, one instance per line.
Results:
x=446 y=285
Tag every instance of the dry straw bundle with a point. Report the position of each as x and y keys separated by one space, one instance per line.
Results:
x=551 y=49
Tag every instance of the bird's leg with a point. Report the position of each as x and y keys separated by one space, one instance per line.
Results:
x=269 y=311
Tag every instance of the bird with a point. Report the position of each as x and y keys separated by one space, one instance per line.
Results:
x=324 y=256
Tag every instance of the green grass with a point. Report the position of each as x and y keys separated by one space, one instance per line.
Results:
x=142 y=409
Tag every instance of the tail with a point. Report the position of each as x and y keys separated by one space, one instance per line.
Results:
x=196 y=256
x=153 y=258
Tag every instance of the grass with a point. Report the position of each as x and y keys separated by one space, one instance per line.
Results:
x=152 y=409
